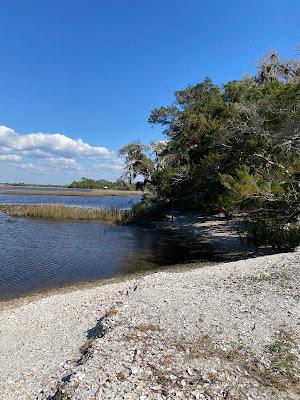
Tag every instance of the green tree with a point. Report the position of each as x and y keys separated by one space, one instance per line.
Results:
x=137 y=163
x=245 y=132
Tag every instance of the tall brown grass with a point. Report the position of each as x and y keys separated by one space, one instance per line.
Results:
x=62 y=212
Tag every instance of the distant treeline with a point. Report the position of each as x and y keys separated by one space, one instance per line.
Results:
x=86 y=183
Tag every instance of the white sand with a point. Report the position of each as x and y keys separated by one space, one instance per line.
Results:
x=240 y=306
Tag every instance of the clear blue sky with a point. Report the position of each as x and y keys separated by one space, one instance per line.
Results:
x=94 y=69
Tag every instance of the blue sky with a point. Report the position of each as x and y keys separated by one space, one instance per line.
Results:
x=93 y=70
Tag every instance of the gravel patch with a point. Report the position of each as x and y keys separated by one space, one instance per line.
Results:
x=228 y=331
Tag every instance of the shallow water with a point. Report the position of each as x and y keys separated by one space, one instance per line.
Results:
x=122 y=202
x=38 y=254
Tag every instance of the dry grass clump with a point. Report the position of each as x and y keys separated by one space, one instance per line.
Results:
x=284 y=370
x=282 y=276
x=62 y=212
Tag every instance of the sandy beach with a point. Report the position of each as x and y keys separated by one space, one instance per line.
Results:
x=225 y=331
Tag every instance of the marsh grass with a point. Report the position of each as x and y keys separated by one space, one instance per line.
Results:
x=138 y=215
x=62 y=212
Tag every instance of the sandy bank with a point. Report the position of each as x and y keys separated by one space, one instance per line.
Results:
x=224 y=331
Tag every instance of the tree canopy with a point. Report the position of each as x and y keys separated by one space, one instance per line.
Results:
x=137 y=163
x=231 y=146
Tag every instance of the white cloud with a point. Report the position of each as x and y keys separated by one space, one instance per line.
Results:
x=47 y=143
x=53 y=158
x=27 y=166
x=59 y=162
x=10 y=157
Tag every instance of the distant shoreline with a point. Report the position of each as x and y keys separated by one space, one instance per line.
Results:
x=92 y=193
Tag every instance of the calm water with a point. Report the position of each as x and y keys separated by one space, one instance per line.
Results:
x=60 y=189
x=37 y=254
x=122 y=202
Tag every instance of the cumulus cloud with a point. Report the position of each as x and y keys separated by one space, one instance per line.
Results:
x=47 y=143
x=54 y=155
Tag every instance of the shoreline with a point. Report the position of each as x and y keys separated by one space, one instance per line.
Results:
x=27 y=298
x=106 y=337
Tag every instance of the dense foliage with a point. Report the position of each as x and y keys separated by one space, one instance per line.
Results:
x=232 y=147
x=86 y=183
